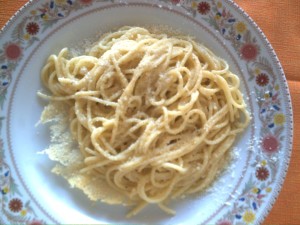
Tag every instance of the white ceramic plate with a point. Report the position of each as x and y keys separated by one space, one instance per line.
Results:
x=243 y=194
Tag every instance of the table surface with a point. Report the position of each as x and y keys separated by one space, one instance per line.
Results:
x=280 y=22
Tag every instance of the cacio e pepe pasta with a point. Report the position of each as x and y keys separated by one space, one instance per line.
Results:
x=153 y=115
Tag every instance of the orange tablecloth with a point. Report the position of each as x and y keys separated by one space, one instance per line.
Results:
x=280 y=21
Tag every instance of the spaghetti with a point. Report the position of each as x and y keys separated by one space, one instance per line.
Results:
x=153 y=115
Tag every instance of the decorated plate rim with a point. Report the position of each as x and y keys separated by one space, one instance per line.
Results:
x=276 y=62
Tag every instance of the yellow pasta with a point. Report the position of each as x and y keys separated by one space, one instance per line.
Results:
x=154 y=116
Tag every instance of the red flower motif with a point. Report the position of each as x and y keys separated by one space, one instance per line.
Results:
x=262 y=173
x=86 y=2
x=270 y=144
x=35 y=222
x=13 y=51
x=259 y=196
x=203 y=8
x=224 y=222
x=15 y=205
x=32 y=28
x=175 y=1
x=249 y=51
x=262 y=79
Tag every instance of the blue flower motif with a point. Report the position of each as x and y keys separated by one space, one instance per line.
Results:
x=254 y=206
x=51 y=4
x=276 y=107
x=238 y=216
x=271 y=125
